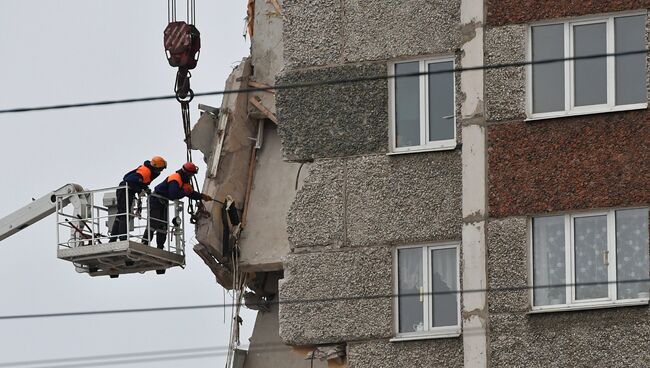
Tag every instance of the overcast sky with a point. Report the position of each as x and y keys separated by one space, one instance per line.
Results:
x=69 y=51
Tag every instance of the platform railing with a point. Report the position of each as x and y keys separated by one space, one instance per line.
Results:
x=89 y=217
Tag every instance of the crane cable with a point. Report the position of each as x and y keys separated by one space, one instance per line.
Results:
x=182 y=45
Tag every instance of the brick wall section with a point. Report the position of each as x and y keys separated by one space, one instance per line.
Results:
x=567 y=164
x=502 y=12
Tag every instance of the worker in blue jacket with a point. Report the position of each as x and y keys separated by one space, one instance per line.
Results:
x=177 y=185
x=135 y=181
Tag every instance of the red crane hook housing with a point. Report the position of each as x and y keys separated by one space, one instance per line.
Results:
x=182 y=45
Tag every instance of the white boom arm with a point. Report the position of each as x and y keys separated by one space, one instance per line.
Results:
x=37 y=210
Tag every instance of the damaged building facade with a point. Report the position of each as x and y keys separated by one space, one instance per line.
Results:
x=482 y=217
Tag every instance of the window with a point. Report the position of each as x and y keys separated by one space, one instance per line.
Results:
x=423 y=106
x=590 y=259
x=587 y=85
x=427 y=283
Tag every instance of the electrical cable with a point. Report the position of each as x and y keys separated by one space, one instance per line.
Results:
x=110 y=356
x=325 y=300
x=323 y=82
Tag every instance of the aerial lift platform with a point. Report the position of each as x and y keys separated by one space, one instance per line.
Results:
x=83 y=223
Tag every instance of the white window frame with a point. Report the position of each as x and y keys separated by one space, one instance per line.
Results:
x=425 y=144
x=432 y=332
x=569 y=86
x=612 y=299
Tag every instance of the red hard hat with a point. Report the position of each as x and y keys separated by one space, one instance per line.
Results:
x=190 y=168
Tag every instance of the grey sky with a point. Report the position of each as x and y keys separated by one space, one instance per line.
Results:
x=75 y=51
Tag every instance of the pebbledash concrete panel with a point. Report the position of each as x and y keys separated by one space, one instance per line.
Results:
x=446 y=353
x=336 y=296
x=316 y=216
x=121 y=257
x=403 y=199
x=381 y=30
x=618 y=337
x=330 y=32
x=312 y=32
x=505 y=88
x=334 y=120
x=379 y=199
x=507 y=264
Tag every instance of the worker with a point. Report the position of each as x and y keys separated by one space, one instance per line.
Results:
x=176 y=186
x=136 y=181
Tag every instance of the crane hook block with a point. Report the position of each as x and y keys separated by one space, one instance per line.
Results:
x=182 y=45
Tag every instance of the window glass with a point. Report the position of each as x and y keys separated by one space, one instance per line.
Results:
x=411 y=310
x=441 y=102
x=590 y=241
x=630 y=69
x=632 y=253
x=549 y=260
x=548 y=79
x=407 y=105
x=590 y=74
x=444 y=286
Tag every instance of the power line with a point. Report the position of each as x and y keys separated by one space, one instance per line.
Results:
x=323 y=83
x=111 y=311
x=141 y=360
x=325 y=300
x=111 y=356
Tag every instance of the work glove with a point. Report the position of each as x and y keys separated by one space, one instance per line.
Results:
x=205 y=197
x=146 y=191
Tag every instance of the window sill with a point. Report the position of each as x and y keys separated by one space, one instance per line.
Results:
x=423 y=149
x=546 y=116
x=589 y=306
x=427 y=335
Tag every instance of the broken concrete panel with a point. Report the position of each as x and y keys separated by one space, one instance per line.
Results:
x=267 y=348
x=505 y=88
x=229 y=162
x=267 y=50
x=264 y=240
x=312 y=32
x=507 y=264
x=598 y=338
x=316 y=216
x=446 y=353
x=403 y=199
x=266 y=45
x=334 y=120
x=345 y=296
x=204 y=134
x=382 y=30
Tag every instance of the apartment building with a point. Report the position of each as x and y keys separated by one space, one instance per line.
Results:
x=371 y=202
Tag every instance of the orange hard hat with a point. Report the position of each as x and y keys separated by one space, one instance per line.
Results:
x=190 y=168
x=158 y=162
